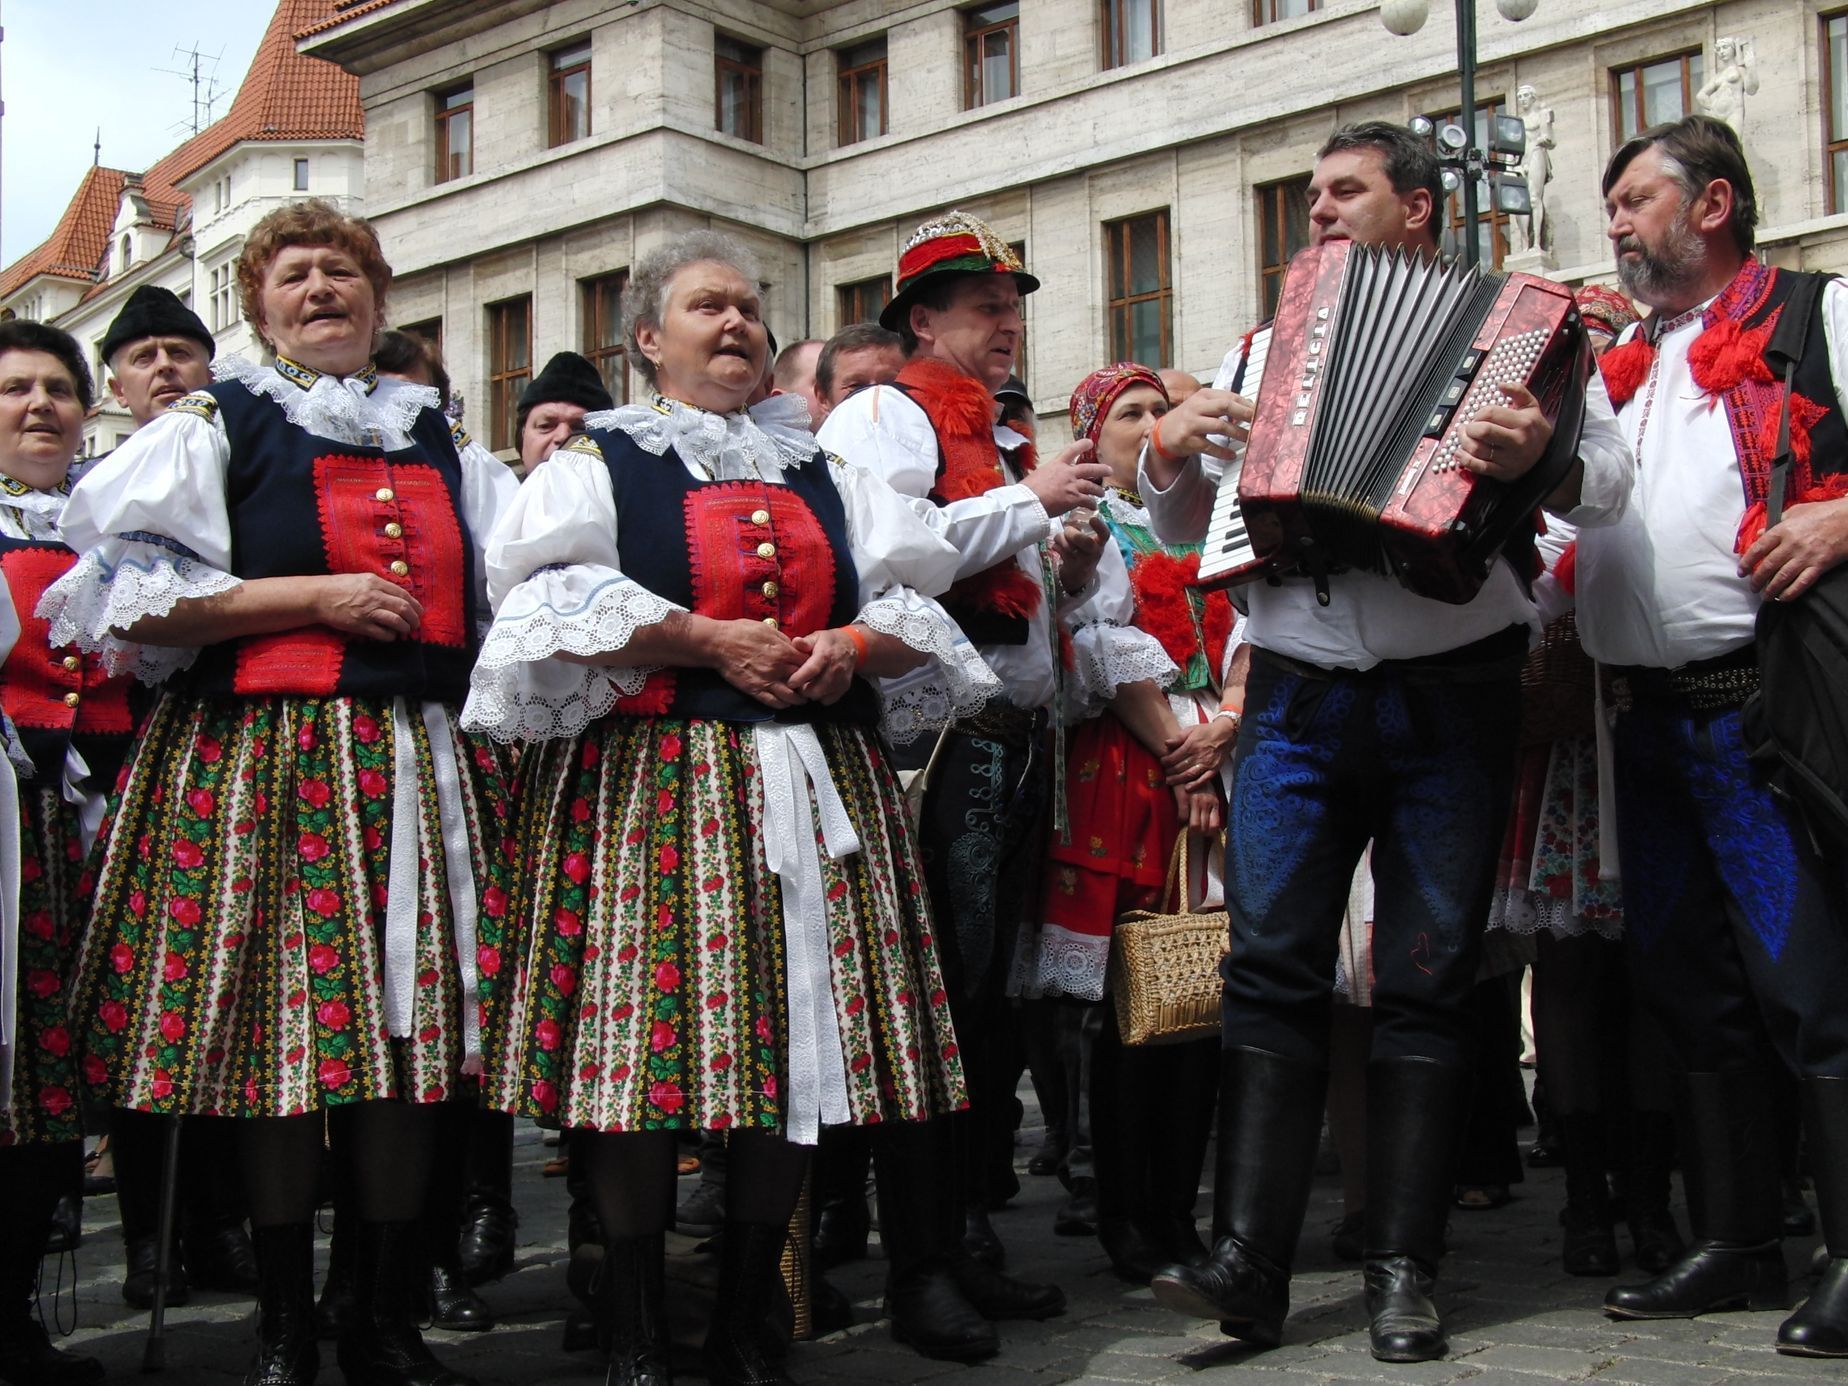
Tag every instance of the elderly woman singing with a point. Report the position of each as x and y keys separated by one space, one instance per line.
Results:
x=287 y=895
x=723 y=922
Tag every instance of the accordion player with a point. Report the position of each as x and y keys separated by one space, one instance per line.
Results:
x=1374 y=364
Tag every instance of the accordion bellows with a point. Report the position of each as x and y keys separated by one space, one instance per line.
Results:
x=1376 y=361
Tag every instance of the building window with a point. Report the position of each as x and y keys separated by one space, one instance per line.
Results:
x=1140 y=292
x=863 y=300
x=738 y=71
x=455 y=134
x=602 y=341
x=1491 y=221
x=510 y=366
x=568 y=95
x=1132 y=31
x=221 y=300
x=1283 y=229
x=991 y=54
x=301 y=175
x=863 y=91
x=1271 y=11
x=1835 y=110
x=430 y=331
x=1651 y=93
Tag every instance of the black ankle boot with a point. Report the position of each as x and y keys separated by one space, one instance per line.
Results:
x=381 y=1345
x=1414 y=1116
x=1820 y=1327
x=1270 y=1119
x=920 y=1231
x=750 y=1254
x=140 y=1262
x=286 y=1350
x=1729 y=1163
x=632 y=1318
x=1588 y=1245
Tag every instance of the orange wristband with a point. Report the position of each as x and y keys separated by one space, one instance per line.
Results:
x=1155 y=442
x=859 y=643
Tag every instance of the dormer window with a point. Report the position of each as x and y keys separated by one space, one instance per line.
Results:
x=128 y=251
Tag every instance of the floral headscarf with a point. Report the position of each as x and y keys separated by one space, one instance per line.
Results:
x=1095 y=394
x=1604 y=309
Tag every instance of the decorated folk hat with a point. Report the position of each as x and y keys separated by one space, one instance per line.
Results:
x=954 y=243
x=1095 y=394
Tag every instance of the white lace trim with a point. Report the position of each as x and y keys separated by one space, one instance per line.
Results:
x=1057 y=962
x=343 y=409
x=1106 y=655
x=1525 y=913
x=115 y=585
x=727 y=447
x=519 y=692
x=954 y=685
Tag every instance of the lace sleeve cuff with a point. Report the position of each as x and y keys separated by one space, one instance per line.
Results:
x=117 y=583
x=953 y=684
x=1106 y=656
x=520 y=692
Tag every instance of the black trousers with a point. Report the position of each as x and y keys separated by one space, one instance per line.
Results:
x=1734 y=926
x=1421 y=762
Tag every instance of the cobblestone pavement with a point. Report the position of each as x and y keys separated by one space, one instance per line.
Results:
x=1513 y=1316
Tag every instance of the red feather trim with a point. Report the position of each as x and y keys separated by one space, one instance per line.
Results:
x=1565 y=571
x=1218 y=625
x=1005 y=589
x=1160 y=582
x=1726 y=354
x=1803 y=413
x=1625 y=368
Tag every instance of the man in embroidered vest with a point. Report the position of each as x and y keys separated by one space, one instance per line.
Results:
x=1734 y=923
x=157 y=350
x=932 y=434
x=1382 y=716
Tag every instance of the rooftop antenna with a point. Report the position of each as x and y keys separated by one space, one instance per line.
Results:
x=202 y=71
x=96 y=154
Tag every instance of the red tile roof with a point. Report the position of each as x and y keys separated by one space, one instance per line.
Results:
x=76 y=245
x=284 y=96
x=345 y=10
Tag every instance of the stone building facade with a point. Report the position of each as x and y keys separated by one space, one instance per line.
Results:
x=1147 y=153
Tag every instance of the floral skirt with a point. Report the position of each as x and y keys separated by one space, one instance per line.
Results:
x=53 y=889
x=234 y=962
x=642 y=981
x=1549 y=877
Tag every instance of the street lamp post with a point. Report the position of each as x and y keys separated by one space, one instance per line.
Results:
x=1456 y=144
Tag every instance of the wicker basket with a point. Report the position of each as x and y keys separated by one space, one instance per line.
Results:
x=1164 y=968
x=1557 y=686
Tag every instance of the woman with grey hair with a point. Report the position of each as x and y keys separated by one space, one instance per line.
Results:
x=723 y=921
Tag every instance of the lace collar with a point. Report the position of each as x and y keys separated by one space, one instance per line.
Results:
x=738 y=446
x=33 y=513
x=360 y=409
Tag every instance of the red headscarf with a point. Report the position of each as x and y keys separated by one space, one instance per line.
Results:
x=1095 y=394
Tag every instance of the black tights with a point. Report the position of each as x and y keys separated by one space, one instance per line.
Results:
x=632 y=1179
x=390 y=1146
x=1598 y=1050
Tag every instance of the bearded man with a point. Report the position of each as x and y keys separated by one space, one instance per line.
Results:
x=1734 y=922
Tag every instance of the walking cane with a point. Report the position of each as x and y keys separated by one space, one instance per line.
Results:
x=154 y=1352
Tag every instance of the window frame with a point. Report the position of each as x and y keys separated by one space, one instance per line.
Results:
x=592 y=317
x=849 y=81
x=1689 y=86
x=1835 y=198
x=556 y=105
x=753 y=78
x=1119 y=310
x=1266 y=11
x=445 y=116
x=1114 y=30
x=973 y=95
x=850 y=299
x=301 y=173
x=1270 y=274
x=506 y=380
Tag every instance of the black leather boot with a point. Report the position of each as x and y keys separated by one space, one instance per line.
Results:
x=1414 y=1117
x=1729 y=1163
x=450 y=1300
x=632 y=1319
x=334 y=1310
x=286 y=1350
x=488 y=1218
x=749 y=1276
x=31 y=1178
x=1270 y=1118
x=381 y=1345
x=1588 y=1245
x=920 y=1225
x=1819 y=1328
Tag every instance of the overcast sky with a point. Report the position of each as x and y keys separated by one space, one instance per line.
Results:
x=70 y=66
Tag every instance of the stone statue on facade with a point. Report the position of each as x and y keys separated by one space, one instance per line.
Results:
x=1536 y=168
x=1735 y=77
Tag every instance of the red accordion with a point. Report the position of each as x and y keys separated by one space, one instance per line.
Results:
x=1375 y=362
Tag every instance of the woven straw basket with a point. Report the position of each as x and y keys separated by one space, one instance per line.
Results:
x=1164 y=968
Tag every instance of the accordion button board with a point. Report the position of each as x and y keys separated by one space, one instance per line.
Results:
x=1373 y=367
